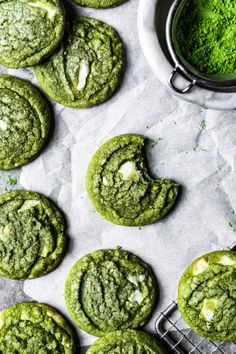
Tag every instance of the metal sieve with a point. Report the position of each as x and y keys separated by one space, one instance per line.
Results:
x=219 y=82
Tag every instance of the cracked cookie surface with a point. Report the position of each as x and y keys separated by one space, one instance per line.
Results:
x=108 y=290
x=25 y=119
x=35 y=328
x=127 y=341
x=29 y=31
x=32 y=239
x=120 y=188
x=86 y=69
x=207 y=296
x=99 y=4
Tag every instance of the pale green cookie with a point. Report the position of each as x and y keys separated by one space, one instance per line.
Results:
x=127 y=341
x=86 y=69
x=25 y=119
x=32 y=239
x=120 y=187
x=30 y=30
x=108 y=290
x=30 y=328
x=99 y=4
x=207 y=296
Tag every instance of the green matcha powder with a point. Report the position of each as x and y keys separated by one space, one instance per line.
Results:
x=206 y=35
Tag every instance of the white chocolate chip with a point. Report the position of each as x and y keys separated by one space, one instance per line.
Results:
x=200 y=266
x=3 y=125
x=28 y=204
x=208 y=309
x=44 y=252
x=141 y=278
x=136 y=297
x=105 y=181
x=132 y=280
x=49 y=9
x=24 y=315
x=136 y=280
x=129 y=170
x=4 y=232
x=83 y=74
x=225 y=260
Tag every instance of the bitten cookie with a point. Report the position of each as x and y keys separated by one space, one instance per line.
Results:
x=120 y=187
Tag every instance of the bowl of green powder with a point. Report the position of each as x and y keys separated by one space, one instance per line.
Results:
x=201 y=38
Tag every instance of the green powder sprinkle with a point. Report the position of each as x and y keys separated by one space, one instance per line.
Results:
x=232 y=223
x=12 y=181
x=153 y=142
x=202 y=125
x=206 y=35
x=198 y=148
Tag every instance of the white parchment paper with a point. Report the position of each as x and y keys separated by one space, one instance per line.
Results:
x=191 y=145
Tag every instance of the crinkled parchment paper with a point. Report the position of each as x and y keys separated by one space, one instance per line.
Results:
x=190 y=145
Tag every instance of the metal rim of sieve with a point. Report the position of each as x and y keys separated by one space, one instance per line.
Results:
x=221 y=83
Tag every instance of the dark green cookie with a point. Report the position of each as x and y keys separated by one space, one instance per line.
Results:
x=29 y=30
x=32 y=239
x=24 y=122
x=99 y=4
x=30 y=328
x=108 y=290
x=87 y=67
x=207 y=296
x=120 y=188
x=128 y=341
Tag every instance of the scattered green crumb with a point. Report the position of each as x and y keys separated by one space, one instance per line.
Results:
x=202 y=125
x=232 y=223
x=153 y=142
x=199 y=149
x=12 y=181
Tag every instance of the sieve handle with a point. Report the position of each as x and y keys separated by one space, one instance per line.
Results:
x=171 y=82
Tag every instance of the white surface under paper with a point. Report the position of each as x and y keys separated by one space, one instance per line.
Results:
x=194 y=147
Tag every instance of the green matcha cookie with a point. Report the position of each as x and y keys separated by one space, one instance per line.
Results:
x=30 y=328
x=24 y=122
x=129 y=341
x=99 y=4
x=30 y=30
x=108 y=290
x=86 y=69
x=120 y=188
x=207 y=296
x=32 y=239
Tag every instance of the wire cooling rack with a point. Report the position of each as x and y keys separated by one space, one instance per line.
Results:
x=180 y=339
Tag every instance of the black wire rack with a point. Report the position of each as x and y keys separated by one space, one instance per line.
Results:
x=180 y=339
